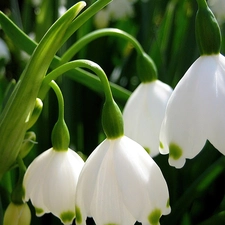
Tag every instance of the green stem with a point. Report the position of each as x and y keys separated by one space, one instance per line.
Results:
x=97 y=34
x=60 y=99
x=18 y=191
x=24 y=42
x=86 y=15
x=60 y=132
x=112 y=120
x=72 y=65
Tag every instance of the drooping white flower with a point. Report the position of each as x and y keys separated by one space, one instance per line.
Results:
x=218 y=8
x=50 y=183
x=120 y=184
x=195 y=111
x=144 y=112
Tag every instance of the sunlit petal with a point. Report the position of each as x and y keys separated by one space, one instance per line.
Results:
x=195 y=111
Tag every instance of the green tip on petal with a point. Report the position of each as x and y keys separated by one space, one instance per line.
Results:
x=154 y=217
x=111 y=224
x=161 y=145
x=147 y=150
x=78 y=215
x=175 y=151
x=168 y=203
x=67 y=216
x=39 y=211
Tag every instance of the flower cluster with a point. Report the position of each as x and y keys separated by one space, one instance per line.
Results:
x=119 y=183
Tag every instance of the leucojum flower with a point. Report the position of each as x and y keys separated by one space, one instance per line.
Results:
x=195 y=111
x=120 y=183
x=145 y=109
x=51 y=179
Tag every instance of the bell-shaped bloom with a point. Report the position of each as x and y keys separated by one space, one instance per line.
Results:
x=144 y=112
x=50 y=183
x=121 y=184
x=195 y=111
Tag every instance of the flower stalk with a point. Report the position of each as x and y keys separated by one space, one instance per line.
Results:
x=111 y=116
x=60 y=132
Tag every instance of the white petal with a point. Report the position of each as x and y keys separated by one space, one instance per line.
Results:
x=140 y=177
x=60 y=185
x=107 y=206
x=216 y=108
x=87 y=181
x=186 y=124
x=33 y=179
x=144 y=112
x=50 y=182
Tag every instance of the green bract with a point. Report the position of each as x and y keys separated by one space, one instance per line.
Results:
x=112 y=120
x=146 y=68
x=208 y=34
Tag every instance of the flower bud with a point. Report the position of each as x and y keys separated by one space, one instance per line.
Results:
x=32 y=118
x=17 y=214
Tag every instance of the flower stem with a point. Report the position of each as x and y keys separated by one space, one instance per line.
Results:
x=111 y=117
x=24 y=42
x=60 y=132
x=97 y=34
x=18 y=191
x=81 y=63
x=86 y=15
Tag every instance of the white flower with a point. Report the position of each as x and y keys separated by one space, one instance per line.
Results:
x=218 y=8
x=120 y=184
x=195 y=111
x=144 y=112
x=50 y=182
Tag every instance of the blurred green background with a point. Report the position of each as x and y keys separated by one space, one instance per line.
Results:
x=166 y=31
